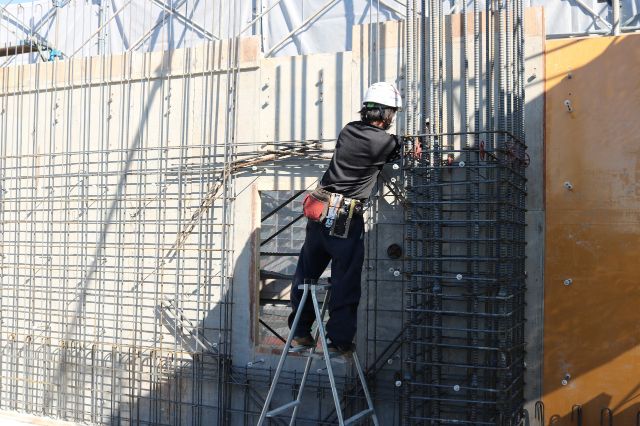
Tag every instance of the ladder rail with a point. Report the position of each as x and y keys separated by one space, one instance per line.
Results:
x=327 y=359
x=307 y=366
x=365 y=389
x=311 y=288
x=272 y=388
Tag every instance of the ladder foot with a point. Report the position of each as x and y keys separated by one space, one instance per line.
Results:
x=360 y=415
x=329 y=356
x=282 y=408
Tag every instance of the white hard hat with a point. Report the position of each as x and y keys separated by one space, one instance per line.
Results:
x=383 y=93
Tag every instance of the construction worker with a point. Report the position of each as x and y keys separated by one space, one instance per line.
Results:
x=335 y=229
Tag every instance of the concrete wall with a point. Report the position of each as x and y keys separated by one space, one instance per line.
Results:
x=105 y=162
x=534 y=78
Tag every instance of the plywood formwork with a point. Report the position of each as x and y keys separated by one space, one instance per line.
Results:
x=591 y=339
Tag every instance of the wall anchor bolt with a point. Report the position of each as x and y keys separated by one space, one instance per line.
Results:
x=257 y=361
x=567 y=103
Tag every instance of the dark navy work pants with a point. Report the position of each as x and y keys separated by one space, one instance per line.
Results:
x=346 y=256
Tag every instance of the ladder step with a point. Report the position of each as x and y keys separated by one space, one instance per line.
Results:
x=318 y=286
x=299 y=349
x=337 y=357
x=358 y=416
x=282 y=408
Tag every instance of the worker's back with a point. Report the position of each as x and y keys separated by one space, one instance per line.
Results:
x=361 y=151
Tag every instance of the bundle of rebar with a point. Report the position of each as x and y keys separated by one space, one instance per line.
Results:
x=463 y=352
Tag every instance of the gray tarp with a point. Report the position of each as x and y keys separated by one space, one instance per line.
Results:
x=71 y=26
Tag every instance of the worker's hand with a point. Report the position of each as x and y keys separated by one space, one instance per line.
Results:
x=417 y=148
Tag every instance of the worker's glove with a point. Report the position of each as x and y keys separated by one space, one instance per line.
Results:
x=412 y=147
x=417 y=148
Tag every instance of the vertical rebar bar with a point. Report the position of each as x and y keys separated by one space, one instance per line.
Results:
x=470 y=294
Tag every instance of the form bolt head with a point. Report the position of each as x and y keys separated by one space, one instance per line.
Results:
x=568 y=281
x=398 y=383
x=568 y=105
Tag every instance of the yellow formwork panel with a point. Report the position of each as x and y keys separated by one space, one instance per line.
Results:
x=592 y=241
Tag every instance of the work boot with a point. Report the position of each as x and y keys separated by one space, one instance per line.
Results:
x=304 y=340
x=341 y=349
x=302 y=333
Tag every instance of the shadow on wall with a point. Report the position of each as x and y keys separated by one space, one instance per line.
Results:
x=591 y=325
x=166 y=404
x=599 y=414
x=591 y=335
x=208 y=389
x=194 y=385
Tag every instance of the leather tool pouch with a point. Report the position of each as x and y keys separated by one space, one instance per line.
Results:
x=340 y=226
x=316 y=205
x=342 y=222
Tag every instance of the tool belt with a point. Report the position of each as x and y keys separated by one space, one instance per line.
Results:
x=334 y=210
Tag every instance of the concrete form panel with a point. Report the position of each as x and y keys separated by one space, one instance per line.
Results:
x=534 y=264
x=591 y=339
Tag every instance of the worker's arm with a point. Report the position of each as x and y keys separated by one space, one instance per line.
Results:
x=415 y=148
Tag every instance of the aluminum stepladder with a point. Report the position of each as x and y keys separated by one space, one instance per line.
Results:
x=311 y=287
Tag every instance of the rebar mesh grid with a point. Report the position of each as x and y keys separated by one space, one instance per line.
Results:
x=96 y=294
x=115 y=250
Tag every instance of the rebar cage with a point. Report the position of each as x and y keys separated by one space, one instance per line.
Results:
x=465 y=221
